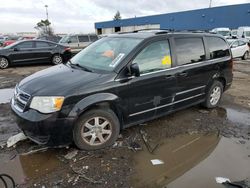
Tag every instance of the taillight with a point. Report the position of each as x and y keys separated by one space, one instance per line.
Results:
x=231 y=64
x=67 y=49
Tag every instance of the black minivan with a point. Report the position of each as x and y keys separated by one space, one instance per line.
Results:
x=119 y=81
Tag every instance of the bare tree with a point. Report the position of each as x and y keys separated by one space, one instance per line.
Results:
x=117 y=16
x=44 y=28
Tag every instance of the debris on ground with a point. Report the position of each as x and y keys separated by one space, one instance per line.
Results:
x=16 y=138
x=222 y=180
x=117 y=144
x=145 y=140
x=134 y=146
x=156 y=162
x=204 y=111
x=81 y=174
x=236 y=184
x=35 y=151
x=71 y=154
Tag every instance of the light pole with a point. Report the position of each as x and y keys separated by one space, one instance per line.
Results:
x=210 y=4
x=47 y=14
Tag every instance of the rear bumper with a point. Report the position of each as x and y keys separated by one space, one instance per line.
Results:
x=47 y=129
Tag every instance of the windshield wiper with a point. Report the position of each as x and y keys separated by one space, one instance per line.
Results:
x=79 y=66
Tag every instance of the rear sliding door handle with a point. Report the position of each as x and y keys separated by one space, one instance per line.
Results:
x=169 y=76
x=182 y=74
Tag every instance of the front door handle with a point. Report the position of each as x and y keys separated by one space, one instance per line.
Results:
x=169 y=76
x=182 y=74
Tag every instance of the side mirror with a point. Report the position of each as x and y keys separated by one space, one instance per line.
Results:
x=134 y=68
x=233 y=46
x=16 y=49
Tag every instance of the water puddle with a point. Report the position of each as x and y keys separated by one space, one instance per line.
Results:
x=229 y=159
x=192 y=157
x=241 y=117
x=6 y=95
x=25 y=167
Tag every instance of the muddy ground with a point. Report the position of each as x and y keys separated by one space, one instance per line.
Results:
x=195 y=145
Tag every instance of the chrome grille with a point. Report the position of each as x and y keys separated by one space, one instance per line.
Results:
x=20 y=99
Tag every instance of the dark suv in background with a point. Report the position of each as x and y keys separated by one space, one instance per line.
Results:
x=119 y=81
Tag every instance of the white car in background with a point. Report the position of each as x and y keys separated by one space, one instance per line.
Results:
x=244 y=32
x=239 y=48
x=224 y=31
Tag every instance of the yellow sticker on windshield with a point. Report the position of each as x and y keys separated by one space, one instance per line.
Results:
x=166 y=60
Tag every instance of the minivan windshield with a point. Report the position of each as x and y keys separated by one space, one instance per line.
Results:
x=106 y=53
x=64 y=39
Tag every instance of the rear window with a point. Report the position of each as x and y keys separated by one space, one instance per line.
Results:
x=42 y=45
x=189 y=50
x=83 y=38
x=93 y=38
x=217 y=47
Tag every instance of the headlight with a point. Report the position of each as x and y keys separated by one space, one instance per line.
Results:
x=47 y=104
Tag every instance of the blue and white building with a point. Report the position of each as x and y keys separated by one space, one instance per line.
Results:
x=232 y=16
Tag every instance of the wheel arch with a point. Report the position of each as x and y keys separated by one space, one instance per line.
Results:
x=10 y=62
x=100 y=100
x=217 y=77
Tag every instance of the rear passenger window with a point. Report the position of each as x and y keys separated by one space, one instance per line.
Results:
x=83 y=38
x=42 y=45
x=217 y=47
x=154 y=57
x=189 y=50
x=93 y=38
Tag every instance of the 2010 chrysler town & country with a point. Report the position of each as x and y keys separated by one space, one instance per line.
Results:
x=119 y=81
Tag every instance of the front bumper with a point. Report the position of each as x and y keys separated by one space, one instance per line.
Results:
x=47 y=129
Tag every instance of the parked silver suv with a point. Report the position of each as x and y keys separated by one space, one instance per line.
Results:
x=78 y=41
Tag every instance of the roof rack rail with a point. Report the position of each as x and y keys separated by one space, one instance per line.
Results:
x=196 y=31
x=163 y=31
x=157 y=31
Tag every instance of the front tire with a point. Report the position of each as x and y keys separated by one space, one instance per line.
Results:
x=96 y=129
x=4 y=63
x=214 y=95
x=57 y=59
x=245 y=56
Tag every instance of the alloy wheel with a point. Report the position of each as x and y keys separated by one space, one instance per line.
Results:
x=3 y=63
x=215 y=95
x=96 y=131
x=57 y=59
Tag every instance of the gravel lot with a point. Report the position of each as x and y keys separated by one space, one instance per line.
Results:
x=193 y=144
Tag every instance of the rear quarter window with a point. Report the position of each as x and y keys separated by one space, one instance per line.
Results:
x=83 y=38
x=189 y=50
x=218 y=48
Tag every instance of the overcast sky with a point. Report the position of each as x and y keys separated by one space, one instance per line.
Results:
x=73 y=16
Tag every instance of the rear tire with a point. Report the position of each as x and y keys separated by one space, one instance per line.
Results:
x=245 y=56
x=57 y=59
x=213 y=95
x=4 y=63
x=96 y=129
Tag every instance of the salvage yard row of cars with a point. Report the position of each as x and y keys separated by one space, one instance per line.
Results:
x=55 y=50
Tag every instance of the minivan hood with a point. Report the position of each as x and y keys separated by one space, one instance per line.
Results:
x=59 y=80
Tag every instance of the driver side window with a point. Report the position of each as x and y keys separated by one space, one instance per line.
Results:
x=154 y=57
